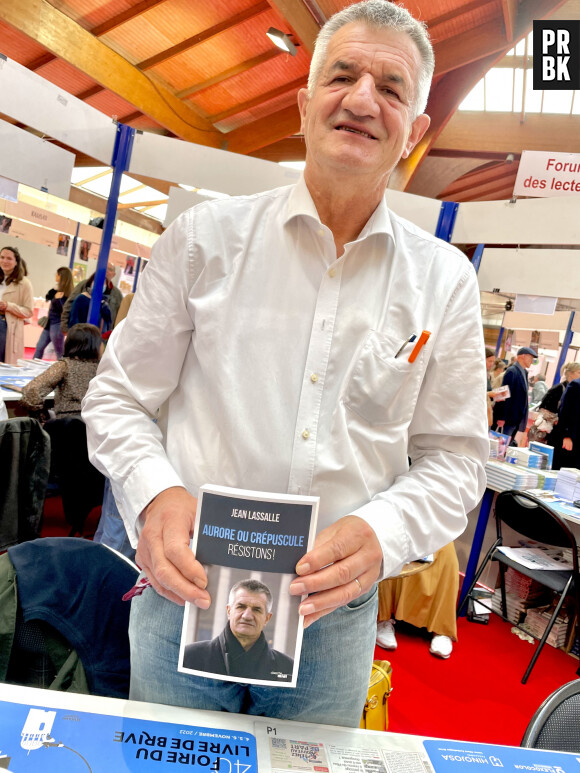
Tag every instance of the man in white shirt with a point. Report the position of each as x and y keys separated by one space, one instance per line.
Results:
x=270 y=336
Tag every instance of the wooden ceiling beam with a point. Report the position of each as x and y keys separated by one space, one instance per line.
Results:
x=122 y=18
x=248 y=64
x=475 y=5
x=99 y=204
x=63 y=37
x=296 y=13
x=102 y=29
x=459 y=50
x=509 y=9
x=257 y=134
x=286 y=88
x=505 y=133
x=202 y=37
x=288 y=149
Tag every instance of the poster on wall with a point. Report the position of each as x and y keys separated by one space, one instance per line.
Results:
x=63 y=242
x=79 y=272
x=5 y=223
x=84 y=250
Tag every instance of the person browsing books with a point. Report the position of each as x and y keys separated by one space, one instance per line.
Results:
x=241 y=649
x=304 y=340
x=511 y=415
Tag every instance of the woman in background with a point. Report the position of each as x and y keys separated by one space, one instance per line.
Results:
x=70 y=376
x=57 y=297
x=16 y=304
x=565 y=436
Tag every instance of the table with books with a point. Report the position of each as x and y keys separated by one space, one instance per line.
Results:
x=49 y=731
x=523 y=469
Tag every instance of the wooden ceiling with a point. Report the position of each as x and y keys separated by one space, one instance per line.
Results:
x=206 y=72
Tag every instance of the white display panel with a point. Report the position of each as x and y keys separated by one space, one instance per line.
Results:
x=33 y=101
x=420 y=210
x=27 y=159
x=527 y=221
x=179 y=200
x=514 y=320
x=531 y=271
x=201 y=167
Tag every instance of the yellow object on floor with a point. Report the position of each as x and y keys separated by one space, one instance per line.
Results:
x=375 y=714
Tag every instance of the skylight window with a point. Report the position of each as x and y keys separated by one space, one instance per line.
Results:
x=501 y=88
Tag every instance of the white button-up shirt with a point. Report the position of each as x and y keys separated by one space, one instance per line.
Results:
x=269 y=365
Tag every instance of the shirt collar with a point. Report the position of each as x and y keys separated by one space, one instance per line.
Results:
x=301 y=204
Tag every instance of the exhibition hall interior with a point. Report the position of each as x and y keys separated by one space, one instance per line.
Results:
x=117 y=117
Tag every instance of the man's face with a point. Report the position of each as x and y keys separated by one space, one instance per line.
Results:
x=526 y=360
x=248 y=616
x=359 y=117
x=111 y=272
x=489 y=362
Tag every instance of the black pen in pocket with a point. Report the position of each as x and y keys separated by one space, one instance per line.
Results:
x=409 y=340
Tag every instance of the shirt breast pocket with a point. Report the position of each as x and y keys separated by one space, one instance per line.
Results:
x=383 y=389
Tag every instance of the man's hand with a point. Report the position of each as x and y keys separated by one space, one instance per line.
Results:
x=501 y=423
x=344 y=563
x=163 y=552
x=567 y=444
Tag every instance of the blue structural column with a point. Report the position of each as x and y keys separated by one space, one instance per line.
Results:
x=447 y=215
x=498 y=344
x=137 y=270
x=120 y=164
x=73 y=251
x=565 y=345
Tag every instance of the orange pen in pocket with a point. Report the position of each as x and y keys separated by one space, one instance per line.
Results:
x=423 y=338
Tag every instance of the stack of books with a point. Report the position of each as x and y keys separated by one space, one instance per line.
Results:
x=546 y=451
x=516 y=607
x=524 y=457
x=548 y=479
x=537 y=619
x=568 y=484
x=522 y=593
x=503 y=476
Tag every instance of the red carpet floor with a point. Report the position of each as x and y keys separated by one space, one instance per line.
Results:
x=475 y=695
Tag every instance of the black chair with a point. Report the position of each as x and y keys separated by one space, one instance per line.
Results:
x=81 y=485
x=556 y=724
x=534 y=520
x=24 y=468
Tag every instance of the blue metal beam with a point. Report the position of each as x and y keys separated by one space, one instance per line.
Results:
x=447 y=215
x=120 y=164
x=477 y=256
x=564 y=351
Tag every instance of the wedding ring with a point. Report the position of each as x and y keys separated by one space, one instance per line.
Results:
x=359 y=585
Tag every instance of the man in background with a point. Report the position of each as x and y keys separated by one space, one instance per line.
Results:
x=111 y=295
x=511 y=415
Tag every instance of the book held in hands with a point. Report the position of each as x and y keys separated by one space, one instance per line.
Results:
x=249 y=543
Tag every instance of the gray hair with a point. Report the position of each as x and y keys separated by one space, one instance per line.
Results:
x=379 y=14
x=253 y=586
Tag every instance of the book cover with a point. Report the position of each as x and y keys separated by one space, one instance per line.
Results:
x=34 y=738
x=249 y=544
x=544 y=449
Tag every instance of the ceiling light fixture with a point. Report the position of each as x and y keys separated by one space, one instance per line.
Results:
x=282 y=40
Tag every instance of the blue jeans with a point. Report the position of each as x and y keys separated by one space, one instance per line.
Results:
x=51 y=333
x=335 y=666
x=111 y=529
x=3 y=332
